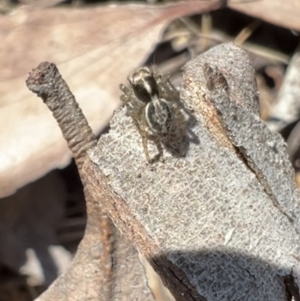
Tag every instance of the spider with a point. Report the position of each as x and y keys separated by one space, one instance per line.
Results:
x=153 y=104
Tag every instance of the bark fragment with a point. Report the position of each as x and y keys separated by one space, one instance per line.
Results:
x=206 y=222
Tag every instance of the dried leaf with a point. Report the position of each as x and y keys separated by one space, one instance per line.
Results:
x=129 y=277
x=287 y=106
x=281 y=13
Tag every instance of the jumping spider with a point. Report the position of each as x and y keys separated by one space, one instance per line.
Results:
x=154 y=106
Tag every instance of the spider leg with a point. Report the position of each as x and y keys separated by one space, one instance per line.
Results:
x=160 y=149
x=144 y=137
x=178 y=130
x=124 y=89
x=182 y=130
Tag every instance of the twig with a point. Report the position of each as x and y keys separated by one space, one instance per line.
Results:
x=48 y=84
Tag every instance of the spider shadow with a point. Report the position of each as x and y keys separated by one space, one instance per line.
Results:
x=178 y=143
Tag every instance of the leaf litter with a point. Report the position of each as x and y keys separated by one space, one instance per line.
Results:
x=96 y=48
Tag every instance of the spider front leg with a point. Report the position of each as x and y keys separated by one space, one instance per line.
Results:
x=126 y=98
x=127 y=93
x=167 y=90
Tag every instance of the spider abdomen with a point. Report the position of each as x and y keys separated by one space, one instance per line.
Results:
x=158 y=116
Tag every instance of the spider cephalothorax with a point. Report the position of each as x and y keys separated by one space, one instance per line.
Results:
x=153 y=104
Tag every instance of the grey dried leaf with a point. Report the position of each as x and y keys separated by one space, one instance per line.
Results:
x=206 y=222
x=286 y=108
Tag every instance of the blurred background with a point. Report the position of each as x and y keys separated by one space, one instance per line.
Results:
x=95 y=45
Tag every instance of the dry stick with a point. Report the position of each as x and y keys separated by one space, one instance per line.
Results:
x=48 y=84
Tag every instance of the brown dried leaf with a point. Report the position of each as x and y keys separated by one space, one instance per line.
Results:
x=278 y=12
x=129 y=277
x=94 y=48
